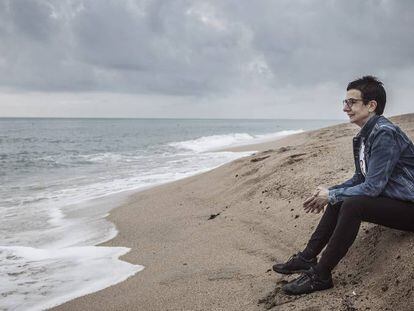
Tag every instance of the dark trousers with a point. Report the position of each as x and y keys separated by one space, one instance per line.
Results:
x=340 y=223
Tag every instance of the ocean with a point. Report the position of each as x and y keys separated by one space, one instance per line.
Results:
x=61 y=177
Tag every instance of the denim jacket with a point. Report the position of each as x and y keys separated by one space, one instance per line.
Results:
x=389 y=158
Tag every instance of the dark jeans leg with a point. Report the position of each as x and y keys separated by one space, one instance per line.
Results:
x=384 y=211
x=323 y=231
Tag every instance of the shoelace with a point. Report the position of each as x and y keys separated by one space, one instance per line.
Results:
x=292 y=258
x=305 y=276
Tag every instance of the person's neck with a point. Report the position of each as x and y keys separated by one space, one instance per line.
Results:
x=366 y=121
x=368 y=125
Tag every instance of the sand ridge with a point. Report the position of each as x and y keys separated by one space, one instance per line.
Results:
x=208 y=241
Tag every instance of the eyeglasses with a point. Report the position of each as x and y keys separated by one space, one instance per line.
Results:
x=350 y=102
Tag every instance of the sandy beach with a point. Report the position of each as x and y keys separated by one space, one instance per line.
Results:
x=208 y=242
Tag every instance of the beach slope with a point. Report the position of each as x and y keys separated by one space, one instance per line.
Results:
x=208 y=242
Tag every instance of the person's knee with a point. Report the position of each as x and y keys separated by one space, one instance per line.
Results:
x=335 y=206
x=353 y=205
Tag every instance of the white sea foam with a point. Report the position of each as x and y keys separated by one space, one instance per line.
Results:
x=277 y=135
x=36 y=279
x=57 y=261
x=215 y=142
x=151 y=172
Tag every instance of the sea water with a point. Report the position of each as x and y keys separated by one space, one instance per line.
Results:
x=61 y=177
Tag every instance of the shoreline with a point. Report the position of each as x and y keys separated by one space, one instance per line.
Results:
x=205 y=238
x=88 y=221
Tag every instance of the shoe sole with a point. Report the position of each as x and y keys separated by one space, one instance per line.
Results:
x=288 y=272
x=287 y=292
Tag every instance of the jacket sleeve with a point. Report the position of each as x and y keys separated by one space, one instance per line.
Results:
x=385 y=153
x=354 y=180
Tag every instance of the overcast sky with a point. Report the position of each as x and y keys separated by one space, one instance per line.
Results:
x=205 y=59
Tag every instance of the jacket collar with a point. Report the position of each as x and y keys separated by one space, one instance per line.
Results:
x=368 y=126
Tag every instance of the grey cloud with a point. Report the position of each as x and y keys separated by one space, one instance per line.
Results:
x=164 y=49
x=32 y=19
x=199 y=48
x=311 y=42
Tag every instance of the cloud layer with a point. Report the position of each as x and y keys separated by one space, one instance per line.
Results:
x=208 y=50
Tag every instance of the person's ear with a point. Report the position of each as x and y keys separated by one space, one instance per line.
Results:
x=372 y=105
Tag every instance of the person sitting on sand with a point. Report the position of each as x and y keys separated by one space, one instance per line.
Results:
x=381 y=190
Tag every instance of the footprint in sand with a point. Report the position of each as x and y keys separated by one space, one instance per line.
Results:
x=276 y=297
x=259 y=159
x=295 y=158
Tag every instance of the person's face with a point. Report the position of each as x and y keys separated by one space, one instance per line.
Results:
x=357 y=112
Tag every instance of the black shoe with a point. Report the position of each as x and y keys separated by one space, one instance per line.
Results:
x=307 y=283
x=295 y=264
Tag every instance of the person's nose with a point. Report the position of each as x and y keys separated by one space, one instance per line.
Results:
x=346 y=108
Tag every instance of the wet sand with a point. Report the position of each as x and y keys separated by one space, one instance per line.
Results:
x=208 y=242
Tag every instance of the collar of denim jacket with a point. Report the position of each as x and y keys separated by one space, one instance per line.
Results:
x=368 y=126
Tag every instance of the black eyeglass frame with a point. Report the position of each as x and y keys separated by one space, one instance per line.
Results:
x=350 y=102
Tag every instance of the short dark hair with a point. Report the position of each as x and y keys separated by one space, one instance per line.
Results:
x=371 y=89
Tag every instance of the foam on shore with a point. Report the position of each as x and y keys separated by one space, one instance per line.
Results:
x=37 y=279
x=215 y=142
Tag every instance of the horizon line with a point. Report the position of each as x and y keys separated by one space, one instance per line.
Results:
x=168 y=118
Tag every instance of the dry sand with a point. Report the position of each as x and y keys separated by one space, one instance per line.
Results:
x=208 y=242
